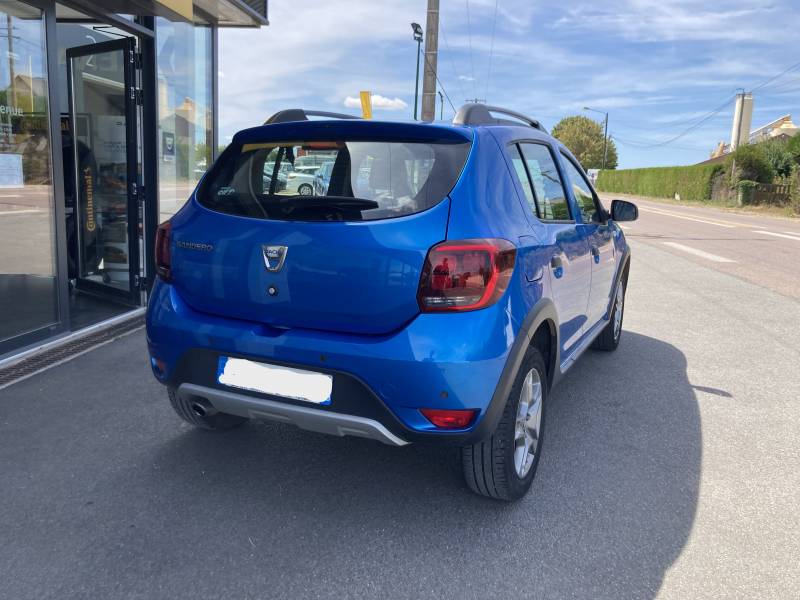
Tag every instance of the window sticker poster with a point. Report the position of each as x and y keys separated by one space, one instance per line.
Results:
x=110 y=139
x=11 y=171
x=168 y=146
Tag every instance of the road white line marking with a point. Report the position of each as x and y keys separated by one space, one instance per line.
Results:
x=700 y=253
x=794 y=233
x=706 y=221
x=625 y=227
x=27 y=211
x=780 y=235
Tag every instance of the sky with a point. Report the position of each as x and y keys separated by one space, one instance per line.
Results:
x=666 y=71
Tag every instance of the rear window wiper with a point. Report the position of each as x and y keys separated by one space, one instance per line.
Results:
x=328 y=201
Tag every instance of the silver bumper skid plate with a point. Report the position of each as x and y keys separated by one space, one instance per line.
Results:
x=311 y=419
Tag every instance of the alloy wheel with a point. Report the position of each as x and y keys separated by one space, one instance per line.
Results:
x=528 y=423
x=618 y=311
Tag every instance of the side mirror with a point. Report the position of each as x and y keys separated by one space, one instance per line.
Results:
x=622 y=210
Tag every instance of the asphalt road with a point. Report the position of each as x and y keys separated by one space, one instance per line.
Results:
x=761 y=250
x=671 y=469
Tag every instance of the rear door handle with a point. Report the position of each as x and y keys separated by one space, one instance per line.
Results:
x=557 y=266
x=596 y=254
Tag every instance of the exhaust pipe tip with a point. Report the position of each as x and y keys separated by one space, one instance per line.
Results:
x=202 y=408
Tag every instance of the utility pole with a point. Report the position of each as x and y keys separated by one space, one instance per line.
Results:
x=11 y=60
x=740 y=132
x=441 y=106
x=742 y=119
x=431 y=53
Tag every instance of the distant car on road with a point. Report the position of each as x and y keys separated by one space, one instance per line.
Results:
x=434 y=292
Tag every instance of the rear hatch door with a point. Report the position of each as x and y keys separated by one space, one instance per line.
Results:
x=347 y=258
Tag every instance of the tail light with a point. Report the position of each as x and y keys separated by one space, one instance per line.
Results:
x=449 y=419
x=163 y=252
x=465 y=275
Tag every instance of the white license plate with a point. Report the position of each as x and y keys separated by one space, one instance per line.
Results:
x=286 y=382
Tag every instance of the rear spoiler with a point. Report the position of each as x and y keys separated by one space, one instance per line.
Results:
x=298 y=114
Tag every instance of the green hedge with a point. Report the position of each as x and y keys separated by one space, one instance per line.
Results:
x=692 y=183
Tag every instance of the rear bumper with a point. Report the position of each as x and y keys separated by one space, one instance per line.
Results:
x=450 y=361
x=311 y=419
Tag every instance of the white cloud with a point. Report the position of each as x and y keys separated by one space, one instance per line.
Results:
x=680 y=20
x=651 y=63
x=378 y=101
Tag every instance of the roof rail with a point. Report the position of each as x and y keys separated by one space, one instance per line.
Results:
x=475 y=113
x=299 y=114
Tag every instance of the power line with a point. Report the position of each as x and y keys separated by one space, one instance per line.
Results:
x=783 y=85
x=678 y=122
x=717 y=110
x=491 y=51
x=452 y=60
x=471 y=59
x=778 y=76
x=782 y=96
x=643 y=145
x=692 y=127
x=439 y=81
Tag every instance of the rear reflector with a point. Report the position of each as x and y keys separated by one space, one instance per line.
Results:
x=465 y=275
x=449 y=419
x=163 y=253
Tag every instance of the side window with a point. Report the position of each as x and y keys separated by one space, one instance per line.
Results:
x=547 y=187
x=522 y=173
x=582 y=192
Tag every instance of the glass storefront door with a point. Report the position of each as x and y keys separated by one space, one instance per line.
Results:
x=28 y=283
x=103 y=113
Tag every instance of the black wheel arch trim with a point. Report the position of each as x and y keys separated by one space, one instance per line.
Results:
x=542 y=312
x=622 y=271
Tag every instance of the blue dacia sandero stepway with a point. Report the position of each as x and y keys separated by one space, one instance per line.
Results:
x=435 y=290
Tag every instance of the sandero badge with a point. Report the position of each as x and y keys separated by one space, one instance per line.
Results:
x=274 y=257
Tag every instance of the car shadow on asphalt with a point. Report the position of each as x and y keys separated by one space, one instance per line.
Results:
x=610 y=510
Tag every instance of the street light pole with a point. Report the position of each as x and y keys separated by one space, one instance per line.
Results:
x=605 y=132
x=417 y=38
x=441 y=104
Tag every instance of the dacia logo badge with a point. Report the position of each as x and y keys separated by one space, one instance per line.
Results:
x=274 y=257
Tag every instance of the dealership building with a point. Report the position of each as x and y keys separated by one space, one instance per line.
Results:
x=108 y=118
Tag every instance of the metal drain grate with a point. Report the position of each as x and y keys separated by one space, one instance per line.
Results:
x=60 y=353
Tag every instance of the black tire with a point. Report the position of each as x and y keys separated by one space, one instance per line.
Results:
x=488 y=466
x=212 y=419
x=305 y=189
x=608 y=340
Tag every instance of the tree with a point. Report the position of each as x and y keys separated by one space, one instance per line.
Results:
x=584 y=138
x=752 y=164
x=793 y=147
x=777 y=153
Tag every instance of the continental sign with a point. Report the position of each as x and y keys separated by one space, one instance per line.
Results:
x=87 y=181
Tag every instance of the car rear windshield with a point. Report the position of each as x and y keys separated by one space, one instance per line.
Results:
x=332 y=180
